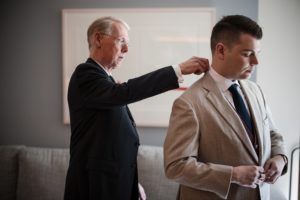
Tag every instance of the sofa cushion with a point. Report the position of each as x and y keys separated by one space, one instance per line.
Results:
x=42 y=173
x=8 y=171
x=152 y=176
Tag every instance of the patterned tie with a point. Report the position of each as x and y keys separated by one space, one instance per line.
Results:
x=241 y=109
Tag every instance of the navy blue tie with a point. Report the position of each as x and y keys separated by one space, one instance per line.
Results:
x=241 y=109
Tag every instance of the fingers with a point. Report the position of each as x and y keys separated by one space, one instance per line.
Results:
x=272 y=177
x=261 y=177
x=248 y=176
x=194 y=65
x=204 y=64
x=203 y=67
x=273 y=169
x=251 y=176
x=142 y=194
x=267 y=165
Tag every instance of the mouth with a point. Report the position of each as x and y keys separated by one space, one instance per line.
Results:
x=249 y=70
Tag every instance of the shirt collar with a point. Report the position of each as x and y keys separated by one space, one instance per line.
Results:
x=222 y=82
x=108 y=73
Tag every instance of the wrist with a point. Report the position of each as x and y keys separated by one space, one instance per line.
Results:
x=284 y=158
x=178 y=73
x=234 y=175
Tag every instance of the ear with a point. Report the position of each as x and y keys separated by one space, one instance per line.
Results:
x=98 y=39
x=220 y=51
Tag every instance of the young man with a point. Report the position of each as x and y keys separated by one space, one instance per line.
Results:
x=222 y=142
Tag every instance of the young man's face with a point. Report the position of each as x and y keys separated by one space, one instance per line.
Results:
x=241 y=58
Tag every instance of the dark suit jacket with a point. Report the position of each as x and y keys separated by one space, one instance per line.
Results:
x=104 y=140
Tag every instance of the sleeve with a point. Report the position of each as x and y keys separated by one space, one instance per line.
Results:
x=96 y=91
x=277 y=141
x=181 y=154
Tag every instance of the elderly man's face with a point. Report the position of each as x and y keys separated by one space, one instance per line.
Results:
x=114 y=46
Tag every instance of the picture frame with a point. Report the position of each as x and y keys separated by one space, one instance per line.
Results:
x=158 y=37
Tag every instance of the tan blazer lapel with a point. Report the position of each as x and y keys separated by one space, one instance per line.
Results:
x=255 y=114
x=228 y=113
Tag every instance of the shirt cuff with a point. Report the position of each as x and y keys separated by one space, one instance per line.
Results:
x=178 y=73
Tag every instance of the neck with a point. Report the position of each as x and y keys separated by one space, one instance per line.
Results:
x=97 y=58
x=220 y=69
x=107 y=69
x=216 y=67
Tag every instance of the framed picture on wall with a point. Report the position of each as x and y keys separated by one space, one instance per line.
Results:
x=158 y=38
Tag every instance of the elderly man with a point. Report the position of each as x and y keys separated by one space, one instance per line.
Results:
x=104 y=139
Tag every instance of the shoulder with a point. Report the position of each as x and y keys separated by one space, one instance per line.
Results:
x=198 y=88
x=195 y=94
x=89 y=68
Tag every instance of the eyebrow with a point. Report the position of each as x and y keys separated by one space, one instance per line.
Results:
x=251 y=50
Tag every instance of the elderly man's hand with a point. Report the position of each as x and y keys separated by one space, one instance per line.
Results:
x=194 y=65
x=142 y=194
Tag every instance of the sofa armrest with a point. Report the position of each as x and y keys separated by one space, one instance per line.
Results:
x=9 y=171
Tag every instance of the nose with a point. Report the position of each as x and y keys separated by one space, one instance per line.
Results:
x=124 y=48
x=254 y=60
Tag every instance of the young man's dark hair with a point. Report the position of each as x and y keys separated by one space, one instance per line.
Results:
x=229 y=28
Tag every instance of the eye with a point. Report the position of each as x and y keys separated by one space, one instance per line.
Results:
x=122 y=42
x=247 y=53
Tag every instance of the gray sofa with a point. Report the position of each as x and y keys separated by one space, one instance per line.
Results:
x=28 y=173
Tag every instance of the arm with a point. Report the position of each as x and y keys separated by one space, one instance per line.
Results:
x=181 y=154
x=98 y=92
x=278 y=163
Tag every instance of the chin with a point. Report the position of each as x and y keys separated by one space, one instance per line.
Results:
x=115 y=65
x=245 y=77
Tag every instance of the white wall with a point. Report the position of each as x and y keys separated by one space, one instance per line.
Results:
x=31 y=81
x=279 y=70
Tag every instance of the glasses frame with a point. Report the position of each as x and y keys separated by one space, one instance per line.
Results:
x=120 y=40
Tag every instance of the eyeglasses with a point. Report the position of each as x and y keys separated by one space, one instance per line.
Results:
x=119 y=40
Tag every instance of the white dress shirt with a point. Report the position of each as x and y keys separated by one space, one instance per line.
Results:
x=223 y=84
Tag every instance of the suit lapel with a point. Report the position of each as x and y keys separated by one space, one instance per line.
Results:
x=111 y=79
x=228 y=113
x=255 y=114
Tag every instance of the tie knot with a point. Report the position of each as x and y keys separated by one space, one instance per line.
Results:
x=233 y=87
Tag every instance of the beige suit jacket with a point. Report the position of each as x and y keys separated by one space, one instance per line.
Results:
x=206 y=139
